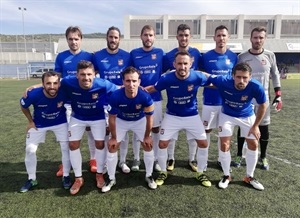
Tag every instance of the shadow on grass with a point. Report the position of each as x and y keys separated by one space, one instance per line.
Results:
x=13 y=176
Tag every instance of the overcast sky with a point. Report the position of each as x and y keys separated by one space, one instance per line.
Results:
x=54 y=16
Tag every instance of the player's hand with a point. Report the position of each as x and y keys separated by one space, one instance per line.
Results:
x=31 y=125
x=254 y=130
x=112 y=145
x=277 y=103
x=27 y=90
x=148 y=143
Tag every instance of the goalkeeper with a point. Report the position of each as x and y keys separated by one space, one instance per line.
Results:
x=264 y=68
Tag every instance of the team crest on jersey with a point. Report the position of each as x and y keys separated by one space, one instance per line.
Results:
x=162 y=131
x=220 y=129
x=60 y=104
x=227 y=61
x=263 y=62
x=138 y=106
x=190 y=87
x=205 y=123
x=244 y=98
x=120 y=62
x=153 y=56
x=95 y=96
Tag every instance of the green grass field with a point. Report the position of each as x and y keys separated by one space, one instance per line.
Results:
x=180 y=196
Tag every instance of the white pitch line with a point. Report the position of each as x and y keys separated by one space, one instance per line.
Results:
x=277 y=158
x=284 y=160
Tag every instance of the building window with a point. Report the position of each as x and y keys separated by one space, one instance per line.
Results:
x=290 y=28
x=249 y=25
x=211 y=25
x=159 y=28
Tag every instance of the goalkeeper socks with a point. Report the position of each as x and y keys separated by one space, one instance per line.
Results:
x=240 y=143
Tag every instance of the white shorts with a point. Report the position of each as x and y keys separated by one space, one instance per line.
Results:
x=77 y=128
x=138 y=127
x=171 y=125
x=227 y=124
x=38 y=136
x=157 y=116
x=210 y=116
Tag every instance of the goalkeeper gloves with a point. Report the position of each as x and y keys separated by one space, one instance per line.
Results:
x=277 y=103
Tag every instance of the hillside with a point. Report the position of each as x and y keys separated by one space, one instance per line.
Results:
x=45 y=37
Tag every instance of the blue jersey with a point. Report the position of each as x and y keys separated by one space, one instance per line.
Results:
x=66 y=62
x=217 y=64
x=196 y=56
x=238 y=103
x=130 y=109
x=87 y=104
x=46 y=111
x=182 y=94
x=150 y=64
x=110 y=66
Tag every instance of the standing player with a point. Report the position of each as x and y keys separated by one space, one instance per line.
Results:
x=183 y=37
x=88 y=96
x=182 y=113
x=237 y=94
x=66 y=64
x=150 y=61
x=218 y=61
x=109 y=63
x=49 y=114
x=130 y=109
x=264 y=67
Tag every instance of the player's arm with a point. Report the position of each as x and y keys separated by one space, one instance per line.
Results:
x=204 y=73
x=150 y=89
x=148 y=142
x=31 y=124
x=149 y=125
x=112 y=125
x=30 y=88
x=208 y=84
x=259 y=116
x=112 y=142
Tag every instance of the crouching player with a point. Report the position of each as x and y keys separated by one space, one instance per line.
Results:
x=49 y=113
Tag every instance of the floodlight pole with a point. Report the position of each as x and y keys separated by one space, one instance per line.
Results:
x=23 y=24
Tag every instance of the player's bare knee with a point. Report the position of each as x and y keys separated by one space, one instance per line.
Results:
x=147 y=148
x=155 y=130
x=252 y=144
x=73 y=145
x=163 y=144
x=208 y=130
x=225 y=146
x=202 y=143
x=99 y=144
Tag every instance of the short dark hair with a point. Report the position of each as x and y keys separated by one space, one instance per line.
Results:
x=130 y=70
x=84 y=65
x=183 y=53
x=113 y=28
x=259 y=29
x=183 y=27
x=49 y=74
x=73 y=29
x=221 y=27
x=147 y=27
x=243 y=66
